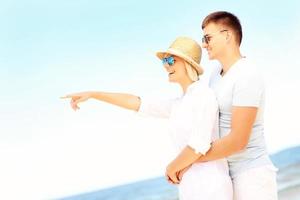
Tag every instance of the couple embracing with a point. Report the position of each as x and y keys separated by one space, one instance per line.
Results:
x=217 y=128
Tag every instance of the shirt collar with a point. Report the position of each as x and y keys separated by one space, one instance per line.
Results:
x=192 y=86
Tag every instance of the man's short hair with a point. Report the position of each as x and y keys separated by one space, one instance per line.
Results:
x=227 y=19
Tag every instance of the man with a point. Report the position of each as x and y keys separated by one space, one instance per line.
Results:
x=240 y=93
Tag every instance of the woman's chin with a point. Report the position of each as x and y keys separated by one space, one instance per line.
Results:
x=172 y=80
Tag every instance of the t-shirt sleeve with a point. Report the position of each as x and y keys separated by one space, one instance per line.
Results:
x=205 y=116
x=248 y=90
x=155 y=107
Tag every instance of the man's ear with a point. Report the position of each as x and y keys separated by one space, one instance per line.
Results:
x=229 y=36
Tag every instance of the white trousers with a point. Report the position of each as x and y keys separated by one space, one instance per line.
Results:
x=206 y=181
x=256 y=184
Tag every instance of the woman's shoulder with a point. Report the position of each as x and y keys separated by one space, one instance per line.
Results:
x=202 y=87
x=201 y=91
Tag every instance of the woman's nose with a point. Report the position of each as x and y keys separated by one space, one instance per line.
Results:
x=166 y=66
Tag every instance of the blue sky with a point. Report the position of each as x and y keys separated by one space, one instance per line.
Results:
x=50 y=48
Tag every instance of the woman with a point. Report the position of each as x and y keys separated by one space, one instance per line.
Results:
x=193 y=119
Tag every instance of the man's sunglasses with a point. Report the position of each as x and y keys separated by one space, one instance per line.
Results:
x=206 y=38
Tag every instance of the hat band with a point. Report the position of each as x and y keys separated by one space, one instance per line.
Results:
x=182 y=55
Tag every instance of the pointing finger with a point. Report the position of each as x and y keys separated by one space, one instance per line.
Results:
x=65 y=97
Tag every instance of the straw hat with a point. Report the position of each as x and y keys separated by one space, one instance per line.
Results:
x=187 y=49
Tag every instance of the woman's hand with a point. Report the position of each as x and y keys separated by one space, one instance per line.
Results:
x=180 y=173
x=77 y=98
x=171 y=175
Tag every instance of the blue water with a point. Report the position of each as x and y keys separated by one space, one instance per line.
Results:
x=154 y=189
x=288 y=179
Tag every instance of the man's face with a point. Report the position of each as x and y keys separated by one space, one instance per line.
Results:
x=214 y=40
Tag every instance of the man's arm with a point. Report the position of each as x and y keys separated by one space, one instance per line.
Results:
x=243 y=119
x=184 y=160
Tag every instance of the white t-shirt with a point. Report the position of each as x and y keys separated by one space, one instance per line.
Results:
x=193 y=121
x=242 y=85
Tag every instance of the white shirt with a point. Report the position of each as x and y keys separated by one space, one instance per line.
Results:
x=242 y=85
x=193 y=121
x=193 y=117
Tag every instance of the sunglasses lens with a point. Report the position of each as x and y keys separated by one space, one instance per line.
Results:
x=169 y=60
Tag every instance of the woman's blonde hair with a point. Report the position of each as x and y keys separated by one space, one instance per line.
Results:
x=192 y=73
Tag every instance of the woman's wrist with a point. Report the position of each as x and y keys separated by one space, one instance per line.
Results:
x=92 y=94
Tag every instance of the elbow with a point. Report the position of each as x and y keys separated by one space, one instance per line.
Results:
x=137 y=104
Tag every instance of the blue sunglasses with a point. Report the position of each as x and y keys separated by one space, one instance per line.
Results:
x=169 y=60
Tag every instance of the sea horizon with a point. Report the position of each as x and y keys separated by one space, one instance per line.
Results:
x=288 y=179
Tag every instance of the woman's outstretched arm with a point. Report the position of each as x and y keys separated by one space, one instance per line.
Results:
x=123 y=100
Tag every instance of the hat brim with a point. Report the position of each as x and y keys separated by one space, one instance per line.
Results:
x=170 y=51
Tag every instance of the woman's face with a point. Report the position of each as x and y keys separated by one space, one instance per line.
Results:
x=176 y=71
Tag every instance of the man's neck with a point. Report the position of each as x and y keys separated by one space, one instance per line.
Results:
x=229 y=59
